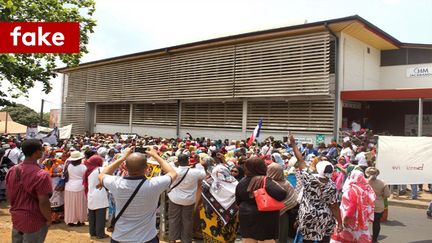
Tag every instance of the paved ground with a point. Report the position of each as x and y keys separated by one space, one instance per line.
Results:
x=406 y=225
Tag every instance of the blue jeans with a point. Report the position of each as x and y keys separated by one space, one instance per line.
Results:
x=414 y=191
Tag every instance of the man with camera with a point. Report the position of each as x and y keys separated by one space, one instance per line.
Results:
x=136 y=197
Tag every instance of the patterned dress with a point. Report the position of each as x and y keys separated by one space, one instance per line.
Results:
x=315 y=217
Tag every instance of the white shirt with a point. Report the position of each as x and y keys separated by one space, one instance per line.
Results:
x=96 y=198
x=266 y=150
x=13 y=154
x=76 y=175
x=361 y=158
x=355 y=127
x=185 y=193
x=138 y=222
x=347 y=152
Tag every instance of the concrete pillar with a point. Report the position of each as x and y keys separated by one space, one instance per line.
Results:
x=130 y=117
x=244 y=118
x=420 y=118
x=178 y=126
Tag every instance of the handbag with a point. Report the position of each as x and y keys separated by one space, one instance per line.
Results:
x=265 y=202
x=114 y=220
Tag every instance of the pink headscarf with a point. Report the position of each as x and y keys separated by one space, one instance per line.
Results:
x=358 y=201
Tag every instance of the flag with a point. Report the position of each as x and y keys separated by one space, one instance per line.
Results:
x=31 y=132
x=255 y=133
x=51 y=138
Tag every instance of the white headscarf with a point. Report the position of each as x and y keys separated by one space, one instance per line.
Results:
x=321 y=166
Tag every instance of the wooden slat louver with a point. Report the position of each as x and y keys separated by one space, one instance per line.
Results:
x=164 y=114
x=215 y=114
x=289 y=66
x=74 y=106
x=113 y=113
x=279 y=67
x=300 y=116
x=202 y=74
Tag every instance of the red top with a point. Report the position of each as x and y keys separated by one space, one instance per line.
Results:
x=23 y=194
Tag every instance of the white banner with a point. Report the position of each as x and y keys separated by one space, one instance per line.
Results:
x=404 y=160
x=65 y=132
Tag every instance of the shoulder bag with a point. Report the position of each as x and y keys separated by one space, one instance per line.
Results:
x=265 y=202
x=178 y=183
x=113 y=222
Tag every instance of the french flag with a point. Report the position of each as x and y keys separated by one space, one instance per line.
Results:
x=255 y=133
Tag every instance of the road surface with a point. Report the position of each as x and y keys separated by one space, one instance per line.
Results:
x=406 y=225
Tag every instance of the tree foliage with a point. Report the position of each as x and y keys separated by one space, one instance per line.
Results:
x=24 y=70
x=26 y=116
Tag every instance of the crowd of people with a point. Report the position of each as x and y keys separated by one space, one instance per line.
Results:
x=321 y=193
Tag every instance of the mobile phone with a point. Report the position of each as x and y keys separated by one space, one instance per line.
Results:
x=141 y=150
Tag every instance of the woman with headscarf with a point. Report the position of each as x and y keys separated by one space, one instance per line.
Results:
x=219 y=212
x=357 y=208
x=75 y=198
x=55 y=168
x=97 y=197
x=256 y=225
x=318 y=200
x=382 y=192
x=238 y=172
x=342 y=172
x=286 y=227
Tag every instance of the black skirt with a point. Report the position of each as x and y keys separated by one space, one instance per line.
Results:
x=258 y=225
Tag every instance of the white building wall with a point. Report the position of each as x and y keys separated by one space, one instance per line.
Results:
x=394 y=77
x=111 y=128
x=213 y=133
x=360 y=69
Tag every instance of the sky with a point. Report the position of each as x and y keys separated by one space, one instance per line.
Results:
x=130 y=26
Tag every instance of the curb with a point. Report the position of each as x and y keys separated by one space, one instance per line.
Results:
x=407 y=204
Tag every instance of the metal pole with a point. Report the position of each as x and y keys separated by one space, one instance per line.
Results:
x=244 y=118
x=6 y=122
x=420 y=118
x=41 y=112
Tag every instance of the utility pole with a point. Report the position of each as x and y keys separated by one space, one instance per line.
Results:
x=41 y=112
x=6 y=122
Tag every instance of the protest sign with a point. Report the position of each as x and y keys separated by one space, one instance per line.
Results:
x=65 y=132
x=404 y=160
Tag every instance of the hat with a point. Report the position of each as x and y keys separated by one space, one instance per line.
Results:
x=372 y=171
x=75 y=155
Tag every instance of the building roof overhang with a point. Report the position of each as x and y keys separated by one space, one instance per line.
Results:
x=354 y=26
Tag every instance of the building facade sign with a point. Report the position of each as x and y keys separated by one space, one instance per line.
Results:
x=419 y=71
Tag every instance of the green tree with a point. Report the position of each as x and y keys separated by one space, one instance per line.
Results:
x=24 y=70
x=26 y=116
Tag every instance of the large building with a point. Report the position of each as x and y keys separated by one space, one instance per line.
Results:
x=312 y=79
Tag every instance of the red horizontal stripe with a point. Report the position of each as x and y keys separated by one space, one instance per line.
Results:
x=389 y=94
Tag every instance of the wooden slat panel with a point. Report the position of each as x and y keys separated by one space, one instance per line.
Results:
x=216 y=114
x=289 y=66
x=113 y=113
x=164 y=114
x=283 y=66
x=307 y=115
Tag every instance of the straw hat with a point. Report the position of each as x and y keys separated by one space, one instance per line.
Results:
x=372 y=171
x=75 y=155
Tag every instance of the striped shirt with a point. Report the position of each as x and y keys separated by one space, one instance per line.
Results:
x=23 y=194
